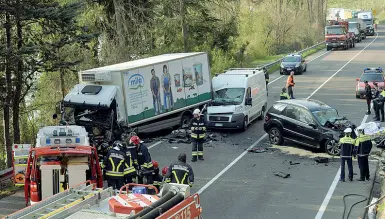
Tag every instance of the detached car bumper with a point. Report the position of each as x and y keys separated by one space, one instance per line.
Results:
x=234 y=121
x=336 y=44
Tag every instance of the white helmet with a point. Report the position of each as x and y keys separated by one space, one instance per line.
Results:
x=348 y=130
x=196 y=112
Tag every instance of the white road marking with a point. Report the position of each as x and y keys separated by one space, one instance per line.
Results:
x=155 y=144
x=336 y=178
x=258 y=141
x=307 y=62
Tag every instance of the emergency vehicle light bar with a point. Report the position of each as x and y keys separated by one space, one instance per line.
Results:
x=62 y=135
x=379 y=69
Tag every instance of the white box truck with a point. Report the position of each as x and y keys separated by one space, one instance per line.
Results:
x=367 y=17
x=239 y=97
x=144 y=95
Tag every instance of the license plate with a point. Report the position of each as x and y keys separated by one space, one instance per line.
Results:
x=218 y=124
x=289 y=69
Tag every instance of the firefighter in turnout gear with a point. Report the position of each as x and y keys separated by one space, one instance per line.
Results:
x=198 y=133
x=284 y=95
x=347 y=147
x=157 y=178
x=180 y=172
x=145 y=166
x=379 y=105
x=130 y=171
x=116 y=166
x=362 y=149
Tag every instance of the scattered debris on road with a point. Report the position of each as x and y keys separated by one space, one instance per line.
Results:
x=321 y=159
x=293 y=163
x=257 y=150
x=282 y=175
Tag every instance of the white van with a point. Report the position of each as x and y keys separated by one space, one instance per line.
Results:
x=239 y=97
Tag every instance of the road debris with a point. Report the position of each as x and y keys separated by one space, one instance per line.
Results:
x=321 y=159
x=281 y=174
x=293 y=163
x=257 y=150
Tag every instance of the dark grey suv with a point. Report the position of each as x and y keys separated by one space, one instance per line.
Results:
x=307 y=122
x=294 y=63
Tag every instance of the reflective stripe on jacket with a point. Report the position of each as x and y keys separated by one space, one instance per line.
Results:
x=198 y=128
x=115 y=163
x=347 y=147
x=363 y=146
x=180 y=173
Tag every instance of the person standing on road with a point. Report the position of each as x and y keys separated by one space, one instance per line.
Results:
x=198 y=133
x=267 y=79
x=379 y=105
x=290 y=84
x=347 y=146
x=375 y=101
x=368 y=96
x=283 y=95
x=180 y=172
x=362 y=149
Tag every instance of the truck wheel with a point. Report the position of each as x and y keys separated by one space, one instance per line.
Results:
x=185 y=120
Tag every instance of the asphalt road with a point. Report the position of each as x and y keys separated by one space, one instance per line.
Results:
x=248 y=188
x=235 y=184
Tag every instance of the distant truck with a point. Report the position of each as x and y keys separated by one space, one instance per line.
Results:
x=362 y=26
x=338 y=36
x=144 y=95
x=367 y=17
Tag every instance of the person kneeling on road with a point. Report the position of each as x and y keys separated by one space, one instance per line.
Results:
x=284 y=95
x=180 y=172
x=362 y=149
x=347 y=146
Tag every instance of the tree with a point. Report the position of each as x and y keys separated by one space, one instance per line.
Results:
x=61 y=32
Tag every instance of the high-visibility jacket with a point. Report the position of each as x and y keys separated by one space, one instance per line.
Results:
x=290 y=81
x=144 y=158
x=363 y=146
x=132 y=157
x=115 y=163
x=347 y=147
x=180 y=173
x=198 y=128
x=284 y=96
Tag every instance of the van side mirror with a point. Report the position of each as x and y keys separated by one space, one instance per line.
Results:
x=249 y=101
x=357 y=79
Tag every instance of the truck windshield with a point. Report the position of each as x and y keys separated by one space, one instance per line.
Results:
x=229 y=96
x=323 y=116
x=353 y=25
x=334 y=30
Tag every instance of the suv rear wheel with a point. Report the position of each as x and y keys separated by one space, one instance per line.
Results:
x=275 y=136
x=332 y=147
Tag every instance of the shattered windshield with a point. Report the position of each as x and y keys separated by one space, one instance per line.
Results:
x=326 y=115
x=229 y=96
x=69 y=115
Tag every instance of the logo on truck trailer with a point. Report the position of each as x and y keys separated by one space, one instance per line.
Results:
x=136 y=81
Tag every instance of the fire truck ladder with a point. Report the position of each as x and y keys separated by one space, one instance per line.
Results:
x=64 y=203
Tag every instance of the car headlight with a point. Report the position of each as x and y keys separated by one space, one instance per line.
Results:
x=297 y=65
x=238 y=108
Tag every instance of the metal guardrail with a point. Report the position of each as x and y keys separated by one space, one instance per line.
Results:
x=269 y=65
x=6 y=177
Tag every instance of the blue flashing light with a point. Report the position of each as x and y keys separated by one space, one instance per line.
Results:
x=47 y=141
x=77 y=140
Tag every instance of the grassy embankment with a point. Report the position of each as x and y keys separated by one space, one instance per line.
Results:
x=269 y=59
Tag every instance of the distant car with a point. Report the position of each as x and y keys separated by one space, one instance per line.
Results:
x=371 y=75
x=293 y=62
x=307 y=122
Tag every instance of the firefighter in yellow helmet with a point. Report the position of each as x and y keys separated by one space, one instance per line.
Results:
x=198 y=134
